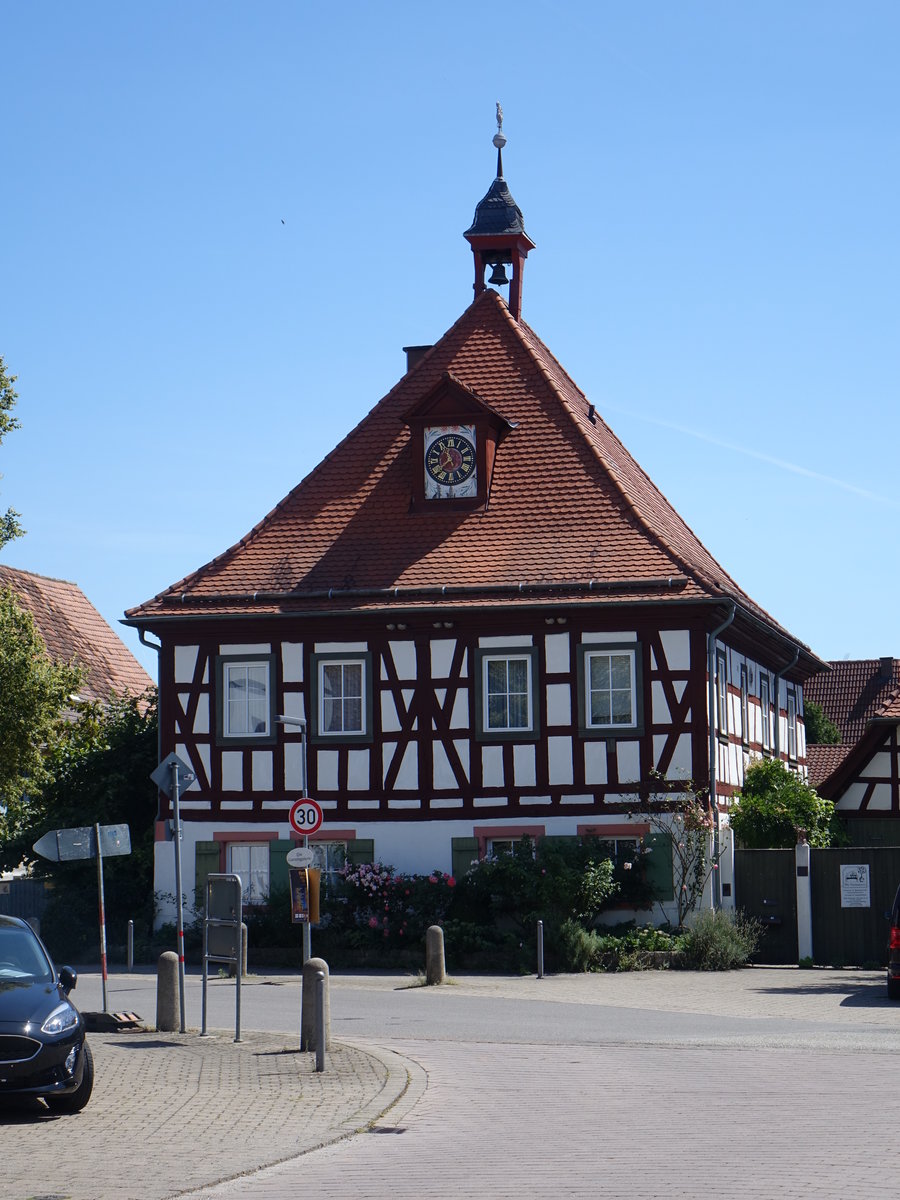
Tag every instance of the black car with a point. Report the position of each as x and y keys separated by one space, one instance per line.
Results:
x=43 y=1051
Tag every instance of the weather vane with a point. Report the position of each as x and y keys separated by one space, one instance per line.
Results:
x=499 y=137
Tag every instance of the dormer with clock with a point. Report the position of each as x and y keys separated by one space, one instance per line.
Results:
x=454 y=439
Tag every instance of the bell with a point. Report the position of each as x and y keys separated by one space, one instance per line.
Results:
x=498 y=275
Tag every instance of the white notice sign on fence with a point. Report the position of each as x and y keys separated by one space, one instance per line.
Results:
x=855 y=886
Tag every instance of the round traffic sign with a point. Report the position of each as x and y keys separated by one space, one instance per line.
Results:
x=305 y=815
x=301 y=856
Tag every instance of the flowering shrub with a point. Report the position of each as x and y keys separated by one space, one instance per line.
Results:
x=393 y=908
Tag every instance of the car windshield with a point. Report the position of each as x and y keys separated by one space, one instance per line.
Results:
x=21 y=957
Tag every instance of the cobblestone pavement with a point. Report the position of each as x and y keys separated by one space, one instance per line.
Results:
x=614 y=1121
x=757 y=1117
x=171 y=1112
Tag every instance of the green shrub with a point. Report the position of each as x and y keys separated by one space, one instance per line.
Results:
x=774 y=804
x=635 y=949
x=719 y=940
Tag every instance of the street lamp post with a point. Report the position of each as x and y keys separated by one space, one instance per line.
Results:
x=301 y=722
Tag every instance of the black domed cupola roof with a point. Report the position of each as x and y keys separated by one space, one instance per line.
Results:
x=497 y=212
x=497 y=234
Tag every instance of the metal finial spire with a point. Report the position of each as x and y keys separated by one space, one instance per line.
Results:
x=499 y=140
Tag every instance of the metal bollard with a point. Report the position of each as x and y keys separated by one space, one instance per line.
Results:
x=435 y=970
x=309 y=1006
x=540 y=949
x=130 y=946
x=320 y=1021
x=167 y=1003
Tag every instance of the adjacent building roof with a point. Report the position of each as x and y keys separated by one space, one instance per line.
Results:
x=822 y=761
x=570 y=516
x=74 y=630
x=855 y=691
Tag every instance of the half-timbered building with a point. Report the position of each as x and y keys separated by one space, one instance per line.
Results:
x=861 y=774
x=491 y=620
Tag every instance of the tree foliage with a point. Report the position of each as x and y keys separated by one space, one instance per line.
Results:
x=774 y=804
x=9 y=521
x=35 y=693
x=98 y=773
x=682 y=818
x=820 y=729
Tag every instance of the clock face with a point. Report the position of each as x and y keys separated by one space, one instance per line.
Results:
x=450 y=459
x=450 y=462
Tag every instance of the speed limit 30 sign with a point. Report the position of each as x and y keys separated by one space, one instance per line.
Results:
x=305 y=815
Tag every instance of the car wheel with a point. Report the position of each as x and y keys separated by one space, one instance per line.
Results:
x=893 y=989
x=75 y=1101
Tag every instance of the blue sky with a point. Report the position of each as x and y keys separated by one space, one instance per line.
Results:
x=222 y=221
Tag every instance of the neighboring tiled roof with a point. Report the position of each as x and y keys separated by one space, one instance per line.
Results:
x=74 y=630
x=568 y=504
x=822 y=760
x=854 y=691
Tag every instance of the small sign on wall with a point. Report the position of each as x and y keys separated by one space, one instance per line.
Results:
x=855 y=886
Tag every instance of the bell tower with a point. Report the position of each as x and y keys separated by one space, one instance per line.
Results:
x=497 y=234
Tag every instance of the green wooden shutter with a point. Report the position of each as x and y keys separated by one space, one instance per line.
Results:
x=206 y=862
x=658 y=866
x=278 y=868
x=463 y=852
x=360 y=851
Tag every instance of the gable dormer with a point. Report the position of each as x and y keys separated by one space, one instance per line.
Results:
x=454 y=440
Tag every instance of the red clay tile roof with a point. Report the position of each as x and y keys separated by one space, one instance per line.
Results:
x=74 y=630
x=822 y=760
x=856 y=690
x=568 y=504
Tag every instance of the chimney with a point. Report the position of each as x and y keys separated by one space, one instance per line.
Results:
x=887 y=668
x=414 y=355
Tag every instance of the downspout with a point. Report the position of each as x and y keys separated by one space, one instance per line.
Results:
x=713 y=751
x=142 y=637
x=779 y=675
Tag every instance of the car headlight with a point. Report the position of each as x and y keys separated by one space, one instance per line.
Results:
x=63 y=1018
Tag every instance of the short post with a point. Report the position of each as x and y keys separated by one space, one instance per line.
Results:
x=435 y=969
x=130 y=946
x=320 y=1021
x=309 y=1009
x=540 y=949
x=167 y=992
x=803 y=856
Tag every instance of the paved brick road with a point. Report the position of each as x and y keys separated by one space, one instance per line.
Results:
x=798 y=1097
x=172 y=1112
x=615 y=1121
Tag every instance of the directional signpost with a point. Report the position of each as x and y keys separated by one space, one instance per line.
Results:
x=173 y=776
x=88 y=841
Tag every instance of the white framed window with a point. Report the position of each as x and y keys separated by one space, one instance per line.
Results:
x=342 y=700
x=745 y=706
x=610 y=689
x=244 y=698
x=722 y=692
x=610 y=699
x=792 y=725
x=341 y=691
x=330 y=858
x=250 y=860
x=505 y=694
x=765 y=705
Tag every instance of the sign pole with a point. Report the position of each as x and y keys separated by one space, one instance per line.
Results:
x=103 y=971
x=176 y=808
x=307 y=929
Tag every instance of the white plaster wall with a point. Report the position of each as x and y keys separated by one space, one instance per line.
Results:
x=185 y=662
x=628 y=759
x=556 y=650
x=676 y=644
